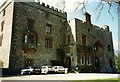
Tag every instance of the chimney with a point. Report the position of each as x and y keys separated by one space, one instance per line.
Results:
x=87 y=18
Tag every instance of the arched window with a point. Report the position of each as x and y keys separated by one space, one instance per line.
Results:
x=48 y=28
x=29 y=38
x=26 y=39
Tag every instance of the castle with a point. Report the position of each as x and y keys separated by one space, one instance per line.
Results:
x=34 y=34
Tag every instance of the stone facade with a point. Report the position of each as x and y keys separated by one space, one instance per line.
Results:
x=91 y=45
x=38 y=34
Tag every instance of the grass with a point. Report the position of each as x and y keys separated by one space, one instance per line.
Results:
x=110 y=79
x=99 y=80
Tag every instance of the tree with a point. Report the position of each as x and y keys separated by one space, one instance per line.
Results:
x=117 y=61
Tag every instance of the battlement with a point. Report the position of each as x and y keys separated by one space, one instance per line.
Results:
x=47 y=8
x=41 y=6
x=105 y=28
x=51 y=7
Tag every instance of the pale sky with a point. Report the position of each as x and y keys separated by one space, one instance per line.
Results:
x=70 y=5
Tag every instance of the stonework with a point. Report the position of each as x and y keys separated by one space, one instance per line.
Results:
x=38 y=34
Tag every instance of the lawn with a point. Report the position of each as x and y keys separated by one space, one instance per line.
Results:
x=99 y=80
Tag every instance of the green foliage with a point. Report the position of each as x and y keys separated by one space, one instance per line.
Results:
x=31 y=46
x=94 y=80
x=117 y=61
x=85 y=68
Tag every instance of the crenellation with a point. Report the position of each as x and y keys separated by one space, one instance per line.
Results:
x=52 y=7
x=106 y=28
x=38 y=1
x=56 y=9
x=48 y=6
x=44 y=7
x=63 y=11
x=96 y=27
x=43 y=4
x=60 y=11
x=101 y=29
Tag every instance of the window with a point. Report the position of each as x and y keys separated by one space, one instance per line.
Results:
x=88 y=59
x=82 y=58
x=26 y=39
x=60 y=20
x=84 y=39
x=109 y=47
x=60 y=32
x=1 y=38
x=68 y=49
x=95 y=48
x=2 y=26
x=88 y=30
x=48 y=42
x=31 y=23
x=29 y=38
x=48 y=28
x=78 y=58
x=4 y=12
x=47 y=15
x=68 y=39
x=29 y=62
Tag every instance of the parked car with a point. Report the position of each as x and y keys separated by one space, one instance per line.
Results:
x=58 y=69
x=46 y=69
x=30 y=70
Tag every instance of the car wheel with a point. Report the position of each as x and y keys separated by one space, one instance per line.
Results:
x=45 y=72
x=22 y=73
x=29 y=73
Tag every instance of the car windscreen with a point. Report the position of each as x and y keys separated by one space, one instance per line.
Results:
x=60 y=67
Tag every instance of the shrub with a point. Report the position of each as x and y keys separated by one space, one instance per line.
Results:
x=85 y=68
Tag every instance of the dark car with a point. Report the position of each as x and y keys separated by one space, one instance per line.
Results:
x=30 y=70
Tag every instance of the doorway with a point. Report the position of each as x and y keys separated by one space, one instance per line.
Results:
x=68 y=62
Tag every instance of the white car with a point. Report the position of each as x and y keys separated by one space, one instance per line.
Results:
x=46 y=69
x=30 y=70
x=58 y=69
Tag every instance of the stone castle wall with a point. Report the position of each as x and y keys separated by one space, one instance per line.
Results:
x=42 y=55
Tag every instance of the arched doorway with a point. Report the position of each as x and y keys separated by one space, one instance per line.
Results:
x=98 y=54
x=97 y=64
x=68 y=62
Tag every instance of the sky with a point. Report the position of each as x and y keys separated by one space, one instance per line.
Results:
x=105 y=18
